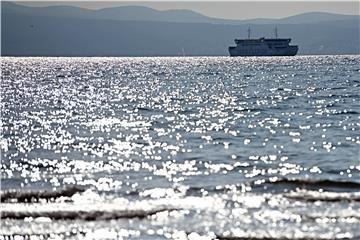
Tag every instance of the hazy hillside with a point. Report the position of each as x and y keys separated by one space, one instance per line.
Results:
x=140 y=13
x=25 y=34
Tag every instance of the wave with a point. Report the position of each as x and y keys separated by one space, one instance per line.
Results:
x=90 y=215
x=316 y=184
x=60 y=235
x=312 y=196
x=35 y=196
x=219 y=237
x=346 y=112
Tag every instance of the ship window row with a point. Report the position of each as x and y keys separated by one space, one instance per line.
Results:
x=251 y=44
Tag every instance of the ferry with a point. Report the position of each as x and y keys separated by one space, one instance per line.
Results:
x=263 y=46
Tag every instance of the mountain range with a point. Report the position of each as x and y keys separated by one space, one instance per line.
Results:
x=143 y=31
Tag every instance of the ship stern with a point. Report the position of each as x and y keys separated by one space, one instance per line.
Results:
x=232 y=51
x=293 y=50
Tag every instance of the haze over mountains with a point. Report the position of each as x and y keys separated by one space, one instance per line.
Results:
x=142 y=31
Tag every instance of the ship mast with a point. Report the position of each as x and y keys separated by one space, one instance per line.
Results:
x=276 y=32
x=249 y=32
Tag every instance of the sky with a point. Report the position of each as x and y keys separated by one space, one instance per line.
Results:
x=225 y=9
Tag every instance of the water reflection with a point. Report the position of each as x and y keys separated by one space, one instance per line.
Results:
x=181 y=147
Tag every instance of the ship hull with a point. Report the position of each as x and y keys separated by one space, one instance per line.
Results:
x=240 y=52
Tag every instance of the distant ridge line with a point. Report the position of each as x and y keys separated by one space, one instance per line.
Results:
x=144 y=13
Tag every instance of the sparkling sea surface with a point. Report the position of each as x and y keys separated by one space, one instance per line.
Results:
x=180 y=148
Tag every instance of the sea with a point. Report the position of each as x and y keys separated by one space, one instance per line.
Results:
x=180 y=147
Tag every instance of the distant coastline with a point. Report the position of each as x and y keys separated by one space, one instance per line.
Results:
x=72 y=31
